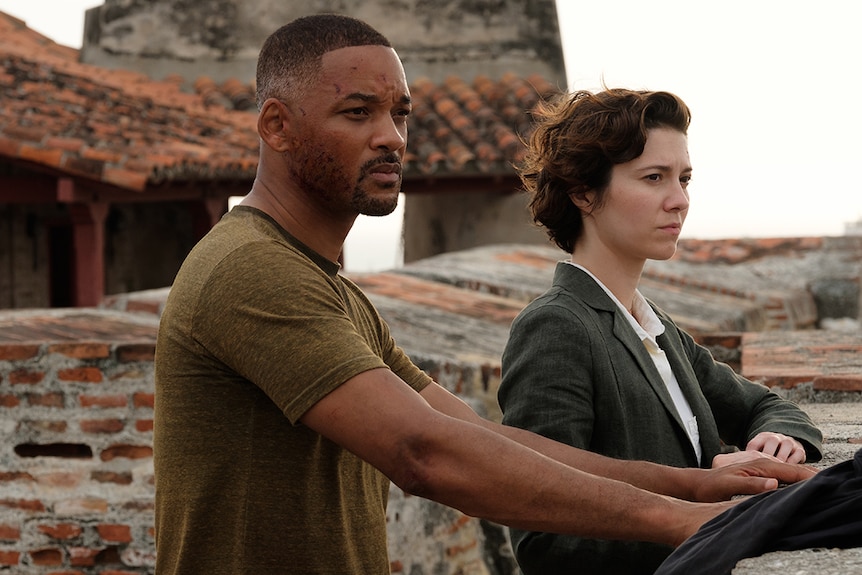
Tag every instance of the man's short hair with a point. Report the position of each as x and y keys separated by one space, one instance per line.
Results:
x=290 y=57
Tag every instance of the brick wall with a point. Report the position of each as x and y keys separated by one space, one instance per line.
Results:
x=76 y=463
x=76 y=472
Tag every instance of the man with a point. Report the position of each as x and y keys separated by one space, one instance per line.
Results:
x=284 y=407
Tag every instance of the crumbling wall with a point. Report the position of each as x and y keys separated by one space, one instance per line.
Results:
x=76 y=470
x=221 y=38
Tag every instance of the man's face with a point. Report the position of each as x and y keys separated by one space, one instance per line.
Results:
x=349 y=131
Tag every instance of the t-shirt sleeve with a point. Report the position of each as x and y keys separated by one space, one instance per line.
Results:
x=283 y=324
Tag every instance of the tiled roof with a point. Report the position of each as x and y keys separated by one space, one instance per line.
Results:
x=116 y=127
x=130 y=132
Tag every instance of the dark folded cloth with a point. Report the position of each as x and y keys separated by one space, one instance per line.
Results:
x=824 y=511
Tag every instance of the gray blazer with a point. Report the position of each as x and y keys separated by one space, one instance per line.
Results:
x=575 y=371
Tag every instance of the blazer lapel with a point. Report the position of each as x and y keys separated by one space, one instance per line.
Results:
x=594 y=296
x=690 y=387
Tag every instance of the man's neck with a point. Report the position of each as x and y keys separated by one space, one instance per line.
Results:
x=321 y=232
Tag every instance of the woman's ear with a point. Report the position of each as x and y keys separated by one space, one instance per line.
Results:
x=584 y=200
x=273 y=124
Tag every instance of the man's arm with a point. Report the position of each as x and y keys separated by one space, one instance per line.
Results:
x=749 y=477
x=433 y=445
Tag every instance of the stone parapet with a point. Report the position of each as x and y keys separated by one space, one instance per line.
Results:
x=76 y=396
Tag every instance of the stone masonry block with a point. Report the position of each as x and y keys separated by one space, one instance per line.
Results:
x=81 y=374
x=105 y=401
x=114 y=533
x=82 y=350
x=102 y=426
x=13 y=352
x=61 y=531
x=9 y=558
x=9 y=532
x=26 y=377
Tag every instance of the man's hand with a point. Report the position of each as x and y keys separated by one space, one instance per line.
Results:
x=782 y=447
x=748 y=478
x=688 y=522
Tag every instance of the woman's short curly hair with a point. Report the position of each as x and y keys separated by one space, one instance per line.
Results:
x=578 y=139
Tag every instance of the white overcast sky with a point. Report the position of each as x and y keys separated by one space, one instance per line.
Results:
x=773 y=86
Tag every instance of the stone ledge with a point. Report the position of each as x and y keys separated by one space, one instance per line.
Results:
x=804 y=562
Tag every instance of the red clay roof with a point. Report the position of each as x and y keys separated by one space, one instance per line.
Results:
x=123 y=129
x=116 y=127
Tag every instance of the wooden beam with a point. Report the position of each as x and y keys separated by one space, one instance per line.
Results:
x=88 y=238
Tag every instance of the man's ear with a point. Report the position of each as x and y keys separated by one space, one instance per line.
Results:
x=273 y=123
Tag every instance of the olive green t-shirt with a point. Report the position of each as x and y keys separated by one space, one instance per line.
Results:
x=257 y=328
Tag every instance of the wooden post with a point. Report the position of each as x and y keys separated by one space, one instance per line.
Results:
x=88 y=236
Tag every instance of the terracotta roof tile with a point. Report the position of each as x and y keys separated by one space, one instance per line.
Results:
x=123 y=129
x=100 y=124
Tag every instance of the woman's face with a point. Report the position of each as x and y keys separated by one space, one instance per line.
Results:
x=646 y=201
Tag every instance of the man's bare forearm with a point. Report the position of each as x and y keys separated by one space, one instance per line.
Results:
x=692 y=484
x=672 y=481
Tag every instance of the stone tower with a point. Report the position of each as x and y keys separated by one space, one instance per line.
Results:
x=436 y=39
x=221 y=38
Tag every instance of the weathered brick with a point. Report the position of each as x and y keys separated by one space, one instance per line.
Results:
x=82 y=506
x=9 y=532
x=9 y=401
x=44 y=425
x=54 y=399
x=102 y=426
x=13 y=352
x=106 y=401
x=140 y=505
x=62 y=479
x=82 y=350
x=110 y=555
x=82 y=374
x=144 y=425
x=144 y=400
x=136 y=352
x=26 y=377
x=23 y=504
x=111 y=477
x=131 y=373
x=114 y=533
x=82 y=556
x=46 y=557
x=838 y=383
x=9 y=476
x=127 y=451
x=10 y=557
x=61 y=530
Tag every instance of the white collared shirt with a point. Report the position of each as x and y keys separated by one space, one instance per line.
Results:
x=648 y=327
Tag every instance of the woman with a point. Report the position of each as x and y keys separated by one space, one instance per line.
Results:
x=591 y=362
